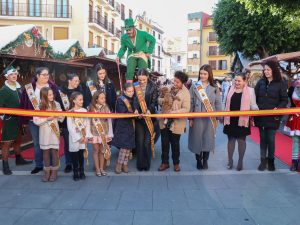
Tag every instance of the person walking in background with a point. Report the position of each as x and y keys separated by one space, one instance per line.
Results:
x=205 y=97
x=240 y=97
x=271 y=93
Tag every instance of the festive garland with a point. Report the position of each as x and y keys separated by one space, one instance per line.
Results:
x=75 y=51
x=28 y=36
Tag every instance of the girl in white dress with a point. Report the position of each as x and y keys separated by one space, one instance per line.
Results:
x=79 y=133
x=49 y=134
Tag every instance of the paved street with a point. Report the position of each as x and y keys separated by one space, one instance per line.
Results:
x=213 y=197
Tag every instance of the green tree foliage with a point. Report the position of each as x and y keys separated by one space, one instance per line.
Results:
x=253 y=34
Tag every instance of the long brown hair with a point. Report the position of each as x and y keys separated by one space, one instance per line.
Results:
x=93 y=107
x=209 y=70
x=73 y=96
x=45 y=103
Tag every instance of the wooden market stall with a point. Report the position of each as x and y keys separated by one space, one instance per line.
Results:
x=67 y=49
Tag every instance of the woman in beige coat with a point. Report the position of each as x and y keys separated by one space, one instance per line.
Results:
x=171 y=131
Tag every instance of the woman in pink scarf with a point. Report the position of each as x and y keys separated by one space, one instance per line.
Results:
x=240 y=97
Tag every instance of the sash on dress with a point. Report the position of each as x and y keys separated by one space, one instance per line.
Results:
x=35 y=103
x=148 y=120
x=205 y=100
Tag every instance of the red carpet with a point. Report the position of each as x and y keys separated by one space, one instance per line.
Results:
x=29 y=153
x=283 y=145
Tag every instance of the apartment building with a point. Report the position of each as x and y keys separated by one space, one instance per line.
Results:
x=202 y=46
x=95 y=23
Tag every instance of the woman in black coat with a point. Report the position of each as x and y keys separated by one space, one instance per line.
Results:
x=271 y=93
x=142 y=134
x=104 y=84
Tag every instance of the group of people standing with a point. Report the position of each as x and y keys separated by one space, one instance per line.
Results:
x=133 y=135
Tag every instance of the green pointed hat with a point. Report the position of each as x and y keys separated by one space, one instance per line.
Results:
x=129 y=23
x=9 y=70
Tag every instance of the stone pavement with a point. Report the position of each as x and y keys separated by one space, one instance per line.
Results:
x=214 y=197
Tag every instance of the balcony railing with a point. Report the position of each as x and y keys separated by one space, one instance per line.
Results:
x=37 y=10
x=112 y=3
x=103 y=22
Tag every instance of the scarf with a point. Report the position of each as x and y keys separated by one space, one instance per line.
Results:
x=245 y=105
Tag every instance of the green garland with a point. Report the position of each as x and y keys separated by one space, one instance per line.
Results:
x=30 y=34
x=78 y=54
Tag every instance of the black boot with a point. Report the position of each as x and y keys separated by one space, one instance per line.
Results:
x=271 y=165
x=6 y=170
x=68 y=168
x=263 y=164
x=294 y=165
x=205 y=159
x=199 y=163
x=20 y=161
x=75 y=174
x=81 y=173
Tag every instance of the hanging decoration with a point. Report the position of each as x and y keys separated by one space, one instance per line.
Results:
x=29 y=38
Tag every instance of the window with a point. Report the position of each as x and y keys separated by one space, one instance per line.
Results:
x=159 y=36
x=113 y=47
x=178 y=59
x=130 y=13
x=99 y=44
x=91 y=16
x=158 y=62
x=212 y=36
x=62 y=8
x=122 y=12
x=222 y=65
x=194 y=41
x=91 y=39
x=158 y=50
x=7 y=7
x=153 y=34
x=213 y=64
x=105 y=44
x=195 y=56
x=34 y=7
x=213 y=50
x=153 y=64
x=190 y=69
x=61 y=33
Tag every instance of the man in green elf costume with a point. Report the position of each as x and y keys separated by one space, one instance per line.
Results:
x=139 y=46
x=11 y=131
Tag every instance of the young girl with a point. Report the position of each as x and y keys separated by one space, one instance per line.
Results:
x=124 y=136
x=79 y=132
x=49 y=134
x=99 y=105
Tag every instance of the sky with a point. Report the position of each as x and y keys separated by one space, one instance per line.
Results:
x=170 y=14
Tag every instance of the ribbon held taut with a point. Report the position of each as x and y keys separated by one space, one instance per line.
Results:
x=148 y=120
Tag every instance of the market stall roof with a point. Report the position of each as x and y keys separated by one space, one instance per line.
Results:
x=67 y=48
x=94 y=52
x=109 y=63
x=9 y=34
x=288 y=57
x=58 y=61
x=113 y=57
x=24 y=40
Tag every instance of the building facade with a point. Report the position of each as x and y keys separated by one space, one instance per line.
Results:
x=202 y=46
x=176 y=48
x=157 y=56
x=95 y=23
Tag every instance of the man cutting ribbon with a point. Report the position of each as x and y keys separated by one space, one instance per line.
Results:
x=139 y=46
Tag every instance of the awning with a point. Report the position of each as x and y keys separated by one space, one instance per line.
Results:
x=287 y=57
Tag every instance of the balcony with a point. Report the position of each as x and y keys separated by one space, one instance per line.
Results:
x=37 y=12
x=104 y=26
x=117 y=10
x=110 y=4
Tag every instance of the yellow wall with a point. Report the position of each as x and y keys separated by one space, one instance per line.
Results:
x=205 y=49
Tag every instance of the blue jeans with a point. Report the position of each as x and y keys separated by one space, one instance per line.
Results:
x=38 y=153
x=65 y=134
